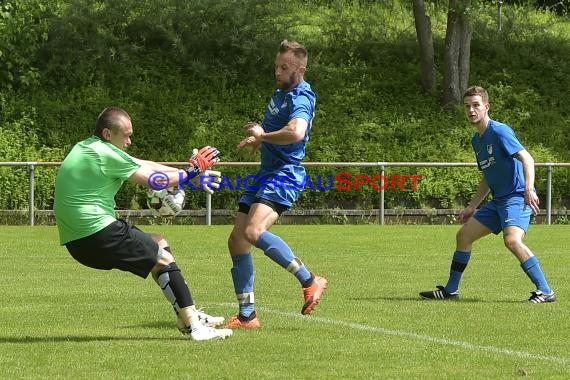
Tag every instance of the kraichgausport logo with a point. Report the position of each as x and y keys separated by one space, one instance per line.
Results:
x=341 y=181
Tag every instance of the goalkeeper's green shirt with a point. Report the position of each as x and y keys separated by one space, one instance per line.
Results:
x=85 y=188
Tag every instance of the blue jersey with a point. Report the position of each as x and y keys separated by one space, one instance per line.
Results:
x=281 y=176
x=284 y=107
x=494 y=153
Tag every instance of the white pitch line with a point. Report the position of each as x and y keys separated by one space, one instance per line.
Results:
x=426 y=338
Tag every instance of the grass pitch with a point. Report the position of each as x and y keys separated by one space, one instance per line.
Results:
x=62 y=320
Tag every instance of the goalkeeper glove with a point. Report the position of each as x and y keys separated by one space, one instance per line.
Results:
x=210 y=181
x=202 y=159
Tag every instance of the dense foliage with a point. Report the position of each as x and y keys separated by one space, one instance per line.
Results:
x=193 y=72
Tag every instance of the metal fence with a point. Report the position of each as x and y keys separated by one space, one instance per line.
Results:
x=382 y=166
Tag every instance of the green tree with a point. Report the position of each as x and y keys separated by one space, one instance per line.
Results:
x=457 y=50
x=23 y=29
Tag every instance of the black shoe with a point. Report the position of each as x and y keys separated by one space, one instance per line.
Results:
x=538 y=296
x=439 y=294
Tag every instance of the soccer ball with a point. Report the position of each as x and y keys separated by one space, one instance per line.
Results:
x=167 y=202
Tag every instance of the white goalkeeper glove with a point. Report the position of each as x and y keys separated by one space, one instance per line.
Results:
x=210 y=181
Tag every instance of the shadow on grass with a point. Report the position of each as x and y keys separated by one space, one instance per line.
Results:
x=418 y=298
x=156 y=325
x=82 y=339
x=170 y=325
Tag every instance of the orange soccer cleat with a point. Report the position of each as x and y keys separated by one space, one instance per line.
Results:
x=312 y=294
x=237 y=323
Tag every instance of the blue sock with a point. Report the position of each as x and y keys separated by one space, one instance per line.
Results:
x=532 y=269
x=243 y=275
x=458 y=265
x=277 y=250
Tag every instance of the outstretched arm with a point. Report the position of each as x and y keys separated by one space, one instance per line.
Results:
x=293 y=132
x=155 y=165
x=481 y=193
x=157 y=176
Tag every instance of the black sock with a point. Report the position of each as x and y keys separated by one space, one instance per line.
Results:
x=251 y=317
x=174 y=286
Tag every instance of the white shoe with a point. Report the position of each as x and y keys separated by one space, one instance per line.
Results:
x=205 y=319
x=209 y=320
x=210 y=333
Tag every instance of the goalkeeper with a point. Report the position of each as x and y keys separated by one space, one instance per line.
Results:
x=85 y=189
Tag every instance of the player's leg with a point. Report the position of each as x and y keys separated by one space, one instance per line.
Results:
x=243 y=273
x=516 y=220
x=474 y=229
x=123 y=246
x=262 y=215
x=169 y=277
x=470 y=232
x=513 y=238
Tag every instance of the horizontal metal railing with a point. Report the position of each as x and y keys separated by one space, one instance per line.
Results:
x=380 y=165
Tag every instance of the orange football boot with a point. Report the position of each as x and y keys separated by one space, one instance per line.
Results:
x=236 y=323
x=313 y=294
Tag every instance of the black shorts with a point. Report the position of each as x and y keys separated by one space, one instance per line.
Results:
x=277 y=207
x=120 y=245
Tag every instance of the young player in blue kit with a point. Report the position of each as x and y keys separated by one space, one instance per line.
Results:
x=282 y=139
x=508 y=173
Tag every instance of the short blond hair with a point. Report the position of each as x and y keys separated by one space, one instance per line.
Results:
x=299 y=51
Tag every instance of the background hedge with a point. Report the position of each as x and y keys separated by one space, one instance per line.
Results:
x=193 y=72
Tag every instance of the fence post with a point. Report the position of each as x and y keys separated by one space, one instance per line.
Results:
x=208 y=209
x=31 y=200
x=549 y=194
x=382 y=169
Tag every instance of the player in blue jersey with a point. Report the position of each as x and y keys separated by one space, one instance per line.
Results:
x=508 y=173
x=282 y=138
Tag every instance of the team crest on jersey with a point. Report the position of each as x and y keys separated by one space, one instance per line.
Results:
x=273 y=109
x=490 y=149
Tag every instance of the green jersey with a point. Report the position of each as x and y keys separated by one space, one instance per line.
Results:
x=85 y=188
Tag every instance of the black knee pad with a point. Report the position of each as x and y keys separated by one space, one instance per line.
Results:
x=172 y=267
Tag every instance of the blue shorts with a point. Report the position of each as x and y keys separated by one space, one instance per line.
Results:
x=505 y=212
x=282 y=186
